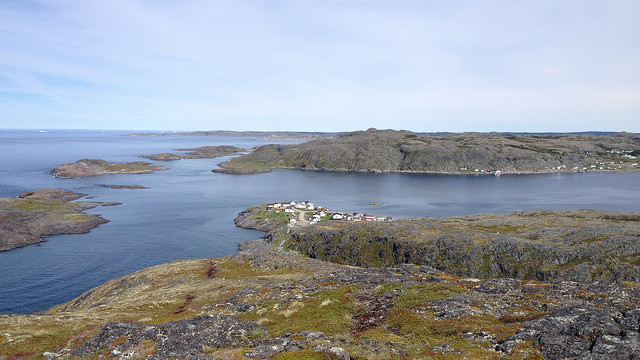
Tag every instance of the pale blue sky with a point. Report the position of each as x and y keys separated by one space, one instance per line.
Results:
x=321 y=65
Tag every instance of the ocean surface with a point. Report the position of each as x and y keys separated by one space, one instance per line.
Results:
x=188 y=211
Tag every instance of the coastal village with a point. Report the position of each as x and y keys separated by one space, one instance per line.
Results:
x=304 y=213
x=626 y=162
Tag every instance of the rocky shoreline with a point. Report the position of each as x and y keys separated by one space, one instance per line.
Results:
x=32 y=216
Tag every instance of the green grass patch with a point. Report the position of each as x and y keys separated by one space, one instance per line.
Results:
x=329 y=311
x=419 y=295
x=44 y=205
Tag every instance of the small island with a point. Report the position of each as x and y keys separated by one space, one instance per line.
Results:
x=95 y=167
x=203 y=152
x=34 y=215
x=123 y=186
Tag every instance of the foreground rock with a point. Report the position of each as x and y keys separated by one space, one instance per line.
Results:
x=267 y=302
x=203 y=152
x=32 y=216
x=95 y=167
x=178 y=339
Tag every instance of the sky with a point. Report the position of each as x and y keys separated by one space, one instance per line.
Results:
x=307 y=65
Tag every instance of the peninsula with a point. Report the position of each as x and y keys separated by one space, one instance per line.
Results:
x=95 y=167
x=34 y=215
x=203 y=152
x=271 y=302
x=465 y=153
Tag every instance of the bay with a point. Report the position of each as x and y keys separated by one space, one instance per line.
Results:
x=188 y=211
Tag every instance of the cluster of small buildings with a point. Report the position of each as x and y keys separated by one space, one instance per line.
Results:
x=291 y=206
x=359 y=217
x=294 y=208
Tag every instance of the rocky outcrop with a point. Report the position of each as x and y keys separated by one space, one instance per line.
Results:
x=582 y=332
x=404 y=151
x=203 y=152
x=580 y=245
x=34 y=215
x=95 y=167
x=191 y=338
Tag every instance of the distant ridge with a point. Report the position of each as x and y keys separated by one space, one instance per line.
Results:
x=276 y=135
x=308 y=135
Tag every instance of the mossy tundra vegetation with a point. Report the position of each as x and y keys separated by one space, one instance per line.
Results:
x=272 y=301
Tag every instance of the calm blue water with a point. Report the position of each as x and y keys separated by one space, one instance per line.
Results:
x=188 y=211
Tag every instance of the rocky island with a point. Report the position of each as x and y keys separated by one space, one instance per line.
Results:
x=203 y=152
x=34 y=215
x=271 y=302
x=464 y=153
x=95 y=167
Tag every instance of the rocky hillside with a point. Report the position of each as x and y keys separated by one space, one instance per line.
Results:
x=580 y=245
x=34 y=215
x=94 y=167
x=396 y=151
x=270 y=303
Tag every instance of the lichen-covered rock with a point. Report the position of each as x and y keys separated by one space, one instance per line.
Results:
x=582 y=332
x=175 y=339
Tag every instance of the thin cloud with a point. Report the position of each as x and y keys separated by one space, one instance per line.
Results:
x=321 y=66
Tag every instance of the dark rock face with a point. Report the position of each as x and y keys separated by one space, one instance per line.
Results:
x=178 y=339
x=582 y=332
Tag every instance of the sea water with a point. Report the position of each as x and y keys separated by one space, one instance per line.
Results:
x=188 y=211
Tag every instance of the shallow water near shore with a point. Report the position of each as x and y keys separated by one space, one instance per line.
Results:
x=188 y=211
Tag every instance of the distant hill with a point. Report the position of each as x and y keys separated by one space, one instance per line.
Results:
x=404 y=151
x=276 y=135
